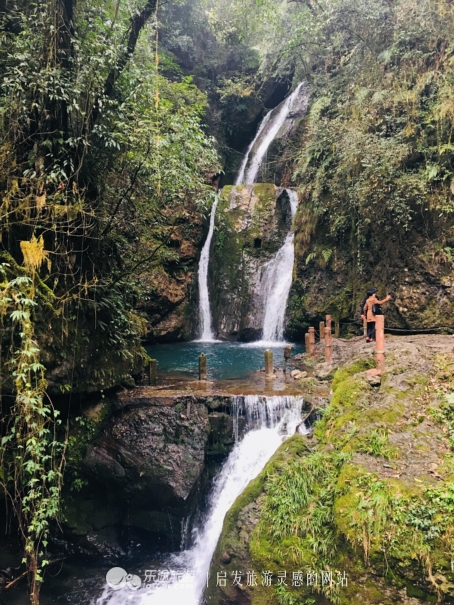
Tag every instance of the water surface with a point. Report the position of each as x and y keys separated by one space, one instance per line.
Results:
x=225 y=360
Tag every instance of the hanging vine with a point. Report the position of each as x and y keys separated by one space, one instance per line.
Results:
x=31 y=456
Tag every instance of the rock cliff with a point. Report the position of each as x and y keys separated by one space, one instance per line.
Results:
x=171 y=297
x=328 y=279
x=252 y=222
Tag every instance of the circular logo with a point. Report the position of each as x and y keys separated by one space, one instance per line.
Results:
x=133 y=582
x=116 y=578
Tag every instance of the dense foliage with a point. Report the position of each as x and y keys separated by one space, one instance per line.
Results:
x=375 y=151
x=374 y=154
x=106 y=160
x=102 y=160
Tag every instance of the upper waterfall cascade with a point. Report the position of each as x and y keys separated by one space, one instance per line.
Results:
x=206 y=324
x=270 y=126
x=276 y=276
x=270 y=421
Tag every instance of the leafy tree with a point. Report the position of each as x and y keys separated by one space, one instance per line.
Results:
x=102 y=159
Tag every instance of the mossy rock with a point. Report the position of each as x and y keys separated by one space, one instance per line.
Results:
x=350 y=370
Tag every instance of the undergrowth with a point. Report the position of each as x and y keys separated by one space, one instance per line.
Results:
x=298 y=515
x=314 y=504
x=376 y=443
x=443 y=383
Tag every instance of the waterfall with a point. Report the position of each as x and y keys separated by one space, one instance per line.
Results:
x=270 y=421
x=269 y=128
x=206 y=330
x=275 y=278
x=240 y=178
x=276 y=282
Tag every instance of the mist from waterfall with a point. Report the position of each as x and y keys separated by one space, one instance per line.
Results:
x=205 y=320
x=270 y=421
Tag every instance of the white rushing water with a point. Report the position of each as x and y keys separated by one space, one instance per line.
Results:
x=270 y=420
x=269 y=128
x=206 y=327
x=276 y=281
x=240 y=178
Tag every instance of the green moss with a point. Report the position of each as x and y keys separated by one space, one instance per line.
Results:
x=354 y=368
x=296 y=527
x=417 y=593
x=225 y=195
x=327 y=509
x=342 y=409
x=294 y=447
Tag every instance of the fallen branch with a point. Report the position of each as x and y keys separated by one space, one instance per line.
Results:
x=26 y=572
x=304 y=419
x=16 y=580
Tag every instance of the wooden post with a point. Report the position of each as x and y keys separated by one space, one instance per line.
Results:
x=152 y=372
x=380 y=342
x=268 y=363
x=328 y=345
x=312 y=339
x=308 y=344
x=322 y=330
x=202 y=366
x=287 y=355
x=328 y=321
x=336 y=328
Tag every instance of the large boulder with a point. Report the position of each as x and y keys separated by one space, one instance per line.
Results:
x=152 y=453
x=140 y=463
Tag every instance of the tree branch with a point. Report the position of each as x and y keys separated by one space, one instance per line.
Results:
x=137 y=23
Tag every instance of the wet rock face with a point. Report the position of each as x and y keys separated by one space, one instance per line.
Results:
x=327 y=280
x=252 y=223
x=170 y=287
x=147 y=469
x=153 y=454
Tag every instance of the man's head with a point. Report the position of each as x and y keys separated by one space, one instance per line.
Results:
x=371 y=291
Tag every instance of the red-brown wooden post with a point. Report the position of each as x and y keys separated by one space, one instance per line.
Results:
x=380 y=342
x=328 y=345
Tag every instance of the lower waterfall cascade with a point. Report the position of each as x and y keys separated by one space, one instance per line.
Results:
x=270 y=420
x=276 y=281
x=206 y=329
